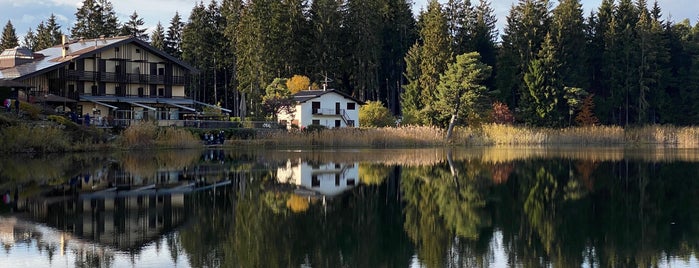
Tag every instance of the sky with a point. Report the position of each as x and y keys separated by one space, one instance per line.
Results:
x=29 y=13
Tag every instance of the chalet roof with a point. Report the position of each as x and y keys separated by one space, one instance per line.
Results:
x=52 y=58
x=306 y=95
x=12 y=84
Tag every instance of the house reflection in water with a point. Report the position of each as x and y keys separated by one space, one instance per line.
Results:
x=121 y=222
x=326 y=179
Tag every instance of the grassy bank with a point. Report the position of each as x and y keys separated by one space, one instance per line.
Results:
x=58 y=134
x=486 y=135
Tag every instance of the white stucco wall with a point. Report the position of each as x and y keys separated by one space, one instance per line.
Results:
x=326 y=117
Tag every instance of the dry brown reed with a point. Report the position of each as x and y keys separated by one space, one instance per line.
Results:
x=40 y=139
x=139 y=135
x=484 y=135
x=147 y=135
x=387 y=137
x=171 y=137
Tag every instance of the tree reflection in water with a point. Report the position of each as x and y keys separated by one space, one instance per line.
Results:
x=475 y=208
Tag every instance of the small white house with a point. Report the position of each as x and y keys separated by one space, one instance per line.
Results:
x=329 y=108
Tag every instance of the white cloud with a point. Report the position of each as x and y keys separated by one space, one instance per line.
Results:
x=27 y=18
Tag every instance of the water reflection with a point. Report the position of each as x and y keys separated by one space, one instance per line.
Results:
x=483 y=207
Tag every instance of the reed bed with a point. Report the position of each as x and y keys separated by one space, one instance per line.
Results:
x=148 y=135
x=33 y=139
x=387 y=137
x=171 y=137
x=485 y=135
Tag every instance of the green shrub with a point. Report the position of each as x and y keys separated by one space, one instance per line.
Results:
x=6 y=121
x=314 y=128
x=23 y=138
x=31 y=110
x=374 y=114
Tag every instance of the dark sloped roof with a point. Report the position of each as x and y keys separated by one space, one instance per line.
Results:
x=12 y=84
x=305 y=95
x=77 y=49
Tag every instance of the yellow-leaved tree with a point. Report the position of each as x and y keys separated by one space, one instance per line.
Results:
x=298 y=83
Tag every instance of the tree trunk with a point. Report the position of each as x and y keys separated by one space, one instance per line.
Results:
x=450 y=129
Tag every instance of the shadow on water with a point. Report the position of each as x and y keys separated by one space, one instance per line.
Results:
x=480 y=207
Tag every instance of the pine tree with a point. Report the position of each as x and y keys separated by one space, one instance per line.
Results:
x=30 y=39
x=173 y=38
x=9 y=37
x=231 y=13
x=568 y=30
x=364 y=31
x=399 y=33
x=527 y=25
x=435 y=55
x=598 y=58
x=202 y=46
x=157 y=40
x=111 y=26
x=48 y=34
x=326 y=34
x=623 y=60
x=54 y=31
x=461 y=89
x=95 y=18
x=411 y=103
x=460 y=16
x=484 y=38
x=133 y=27
x=543 y=101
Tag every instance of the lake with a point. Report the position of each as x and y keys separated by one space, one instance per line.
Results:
x=476 y=207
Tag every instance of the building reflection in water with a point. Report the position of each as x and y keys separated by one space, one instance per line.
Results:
x=319 y=179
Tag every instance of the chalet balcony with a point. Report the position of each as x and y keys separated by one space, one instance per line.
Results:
x=81 y=75
x=75 y=75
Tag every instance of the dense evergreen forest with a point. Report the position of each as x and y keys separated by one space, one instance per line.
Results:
x=626 y=63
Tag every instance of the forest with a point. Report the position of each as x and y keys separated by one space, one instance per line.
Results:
x=626 y=63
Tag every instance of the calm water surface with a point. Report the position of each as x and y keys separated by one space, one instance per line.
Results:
x=484 y=207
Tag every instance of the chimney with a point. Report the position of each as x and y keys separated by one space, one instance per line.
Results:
x=64 y=46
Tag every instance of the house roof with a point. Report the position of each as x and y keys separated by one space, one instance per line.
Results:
x=12 y=84
x=52 y=58
x=306 y=95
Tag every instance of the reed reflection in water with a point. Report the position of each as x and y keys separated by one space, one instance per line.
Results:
x=482 y=207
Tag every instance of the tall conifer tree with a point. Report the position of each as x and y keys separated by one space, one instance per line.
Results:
x=9 y=37
x=133 y=27
x=157 y=40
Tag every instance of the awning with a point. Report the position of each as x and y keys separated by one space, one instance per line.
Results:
x=56 y=98
x=182 y=106
x=178 y=105
x=143 y=105
x=213 y=106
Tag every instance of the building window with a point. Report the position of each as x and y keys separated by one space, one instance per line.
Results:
x=71 y=66
x=315 y=182
x=316 y=122
x=337 y=123
x=315 y=106
x=138 y=51
x=161 y=91
x=350 y=106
